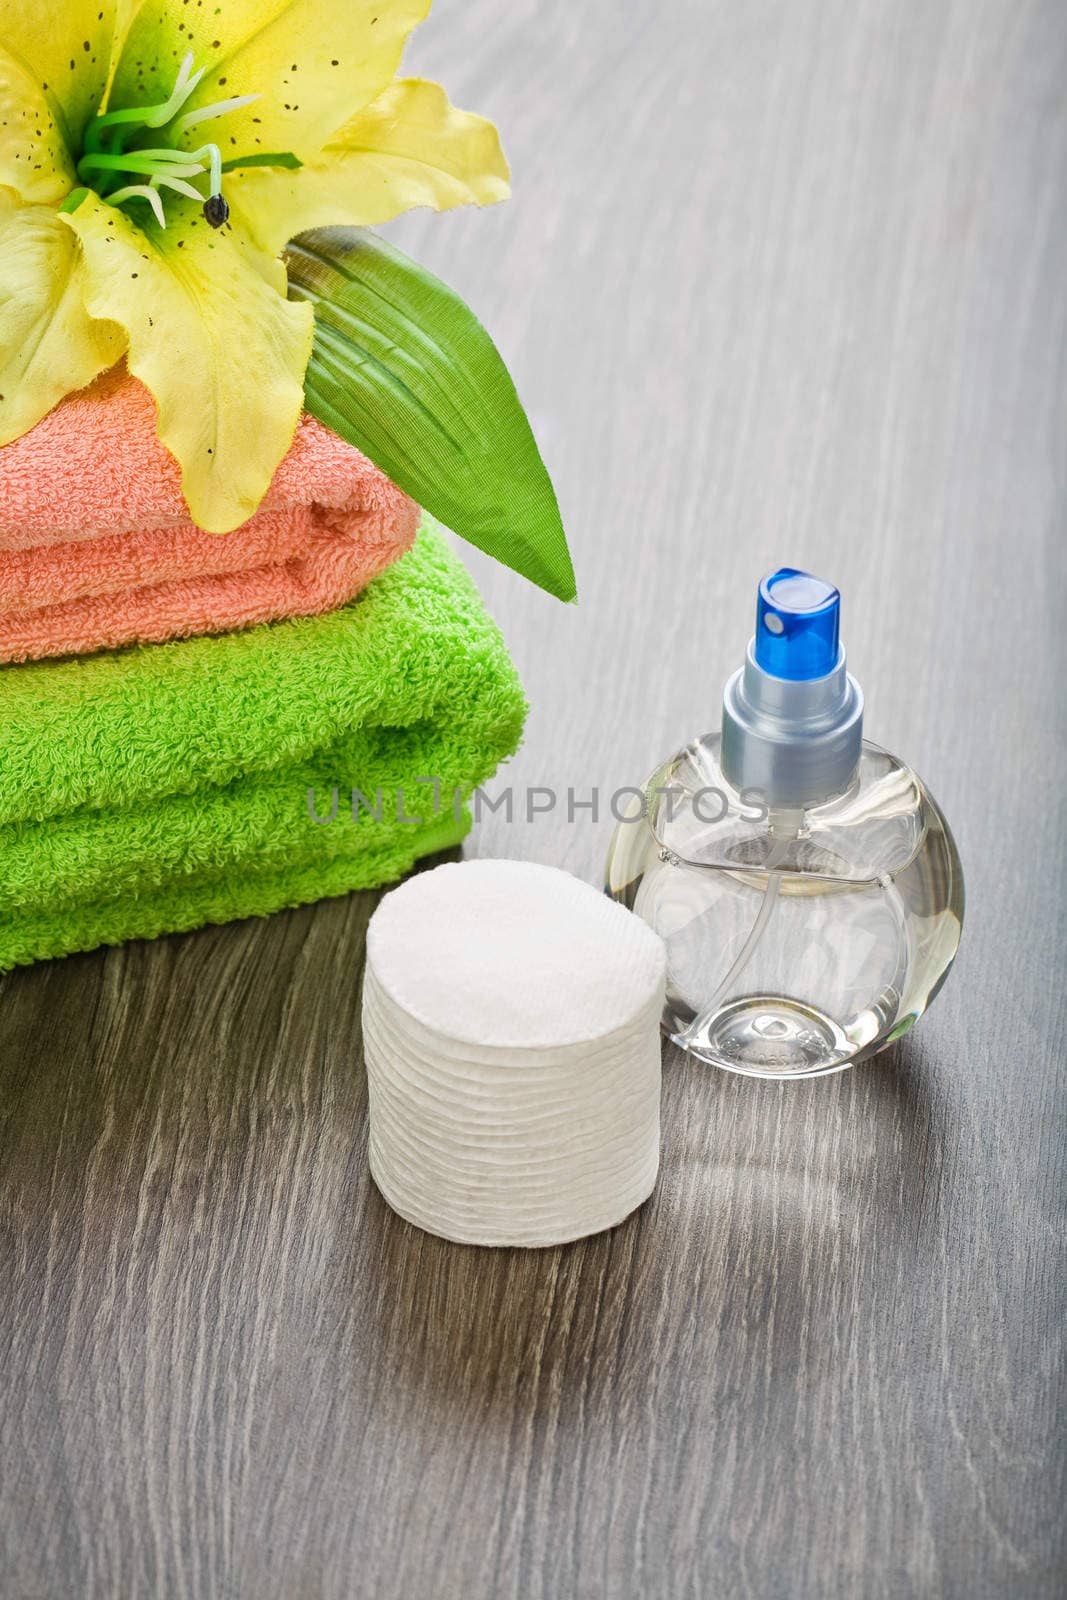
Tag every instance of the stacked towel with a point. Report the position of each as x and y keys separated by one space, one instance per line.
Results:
x=97 y=549
x=167 y=786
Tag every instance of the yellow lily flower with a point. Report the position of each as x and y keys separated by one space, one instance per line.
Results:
x=155 y=158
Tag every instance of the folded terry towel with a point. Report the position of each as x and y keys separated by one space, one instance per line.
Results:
x=156 y=789
x=97 y=549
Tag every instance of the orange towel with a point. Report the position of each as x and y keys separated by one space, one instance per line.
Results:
x=97 y=549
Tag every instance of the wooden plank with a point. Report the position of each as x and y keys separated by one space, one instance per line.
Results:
x=782 y=281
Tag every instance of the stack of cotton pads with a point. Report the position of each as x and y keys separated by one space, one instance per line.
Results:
x=511 y=1028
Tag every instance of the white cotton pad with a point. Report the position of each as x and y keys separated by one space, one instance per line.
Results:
x=511 y=1031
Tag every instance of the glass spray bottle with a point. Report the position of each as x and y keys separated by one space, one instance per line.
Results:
x=805 y=881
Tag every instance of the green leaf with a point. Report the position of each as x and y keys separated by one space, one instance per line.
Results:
x=402 y=369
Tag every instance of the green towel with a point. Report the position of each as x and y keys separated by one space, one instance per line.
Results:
x=156 y=789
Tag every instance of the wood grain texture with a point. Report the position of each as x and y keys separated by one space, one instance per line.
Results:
x=783 y=279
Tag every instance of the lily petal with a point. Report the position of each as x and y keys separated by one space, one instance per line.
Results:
x=409 y=147
x=312 y=62
x=214 y=338
x=49 y=344
x=34 y=160
x=125 y=11
x=66 y=46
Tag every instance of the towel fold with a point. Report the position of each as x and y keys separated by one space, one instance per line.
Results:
x=97 y=549
x=157 y=789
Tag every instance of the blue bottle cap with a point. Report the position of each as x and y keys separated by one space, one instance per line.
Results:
x=797 y=624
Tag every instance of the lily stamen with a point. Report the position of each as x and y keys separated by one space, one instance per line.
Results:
x=179 y=186
x=140 y=191
x=174 y=162
x=216 y=209
x=132 y=117
x=213 y=156
x=207 y=113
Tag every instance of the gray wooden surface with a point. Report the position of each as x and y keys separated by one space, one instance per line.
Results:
x=783 y=280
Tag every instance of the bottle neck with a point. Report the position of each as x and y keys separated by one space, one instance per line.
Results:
x=797 y=741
